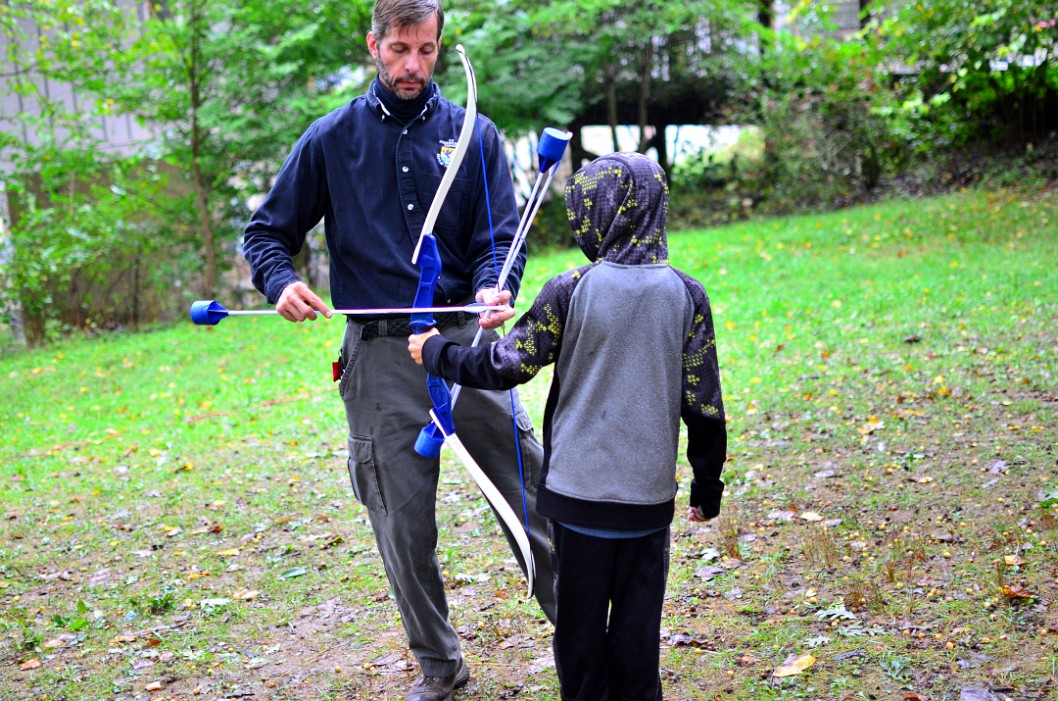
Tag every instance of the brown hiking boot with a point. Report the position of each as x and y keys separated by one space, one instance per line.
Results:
x=438 y=688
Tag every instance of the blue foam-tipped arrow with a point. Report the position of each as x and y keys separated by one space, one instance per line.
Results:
x=208 y=312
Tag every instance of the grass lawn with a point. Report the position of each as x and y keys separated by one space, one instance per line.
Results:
x=177 y=522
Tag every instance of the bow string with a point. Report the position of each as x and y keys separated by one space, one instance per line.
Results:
x=442 y=425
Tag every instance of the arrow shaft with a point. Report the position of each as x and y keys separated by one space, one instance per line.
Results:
x=468 y=308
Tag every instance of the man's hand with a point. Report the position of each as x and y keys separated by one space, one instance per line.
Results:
x=494 y=318
x=694 y=513
x=298 y=303
x=415 y=342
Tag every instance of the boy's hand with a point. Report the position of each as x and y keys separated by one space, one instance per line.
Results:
x=415 y=342
x=694 y=513
x=491 y=296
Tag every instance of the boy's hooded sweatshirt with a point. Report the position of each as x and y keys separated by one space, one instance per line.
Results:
x=634 y=351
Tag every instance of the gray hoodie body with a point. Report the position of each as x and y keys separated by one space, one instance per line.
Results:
x=634 y=351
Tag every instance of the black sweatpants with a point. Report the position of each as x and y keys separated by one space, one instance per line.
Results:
x=609 y=595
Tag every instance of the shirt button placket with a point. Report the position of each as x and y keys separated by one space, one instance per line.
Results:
x=406 y=183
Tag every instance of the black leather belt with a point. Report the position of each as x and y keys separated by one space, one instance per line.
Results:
x=400 y=325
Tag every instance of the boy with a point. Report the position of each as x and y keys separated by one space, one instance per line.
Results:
x=634 y=351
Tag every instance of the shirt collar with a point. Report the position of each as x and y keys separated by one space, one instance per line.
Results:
x=388 y=107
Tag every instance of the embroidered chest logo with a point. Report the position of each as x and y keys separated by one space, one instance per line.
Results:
x=448 y=149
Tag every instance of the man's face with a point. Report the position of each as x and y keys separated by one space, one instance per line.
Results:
x=406 y=58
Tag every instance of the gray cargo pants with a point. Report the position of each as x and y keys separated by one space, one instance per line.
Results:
x=386 y=405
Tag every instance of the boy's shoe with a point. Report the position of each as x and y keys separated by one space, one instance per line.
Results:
x=438 y=688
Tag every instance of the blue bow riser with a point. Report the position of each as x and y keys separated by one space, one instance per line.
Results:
x=431 y=438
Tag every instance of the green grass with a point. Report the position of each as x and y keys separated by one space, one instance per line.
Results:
x=176 y=510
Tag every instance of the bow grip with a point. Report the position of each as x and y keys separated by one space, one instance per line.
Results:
x=429 y=271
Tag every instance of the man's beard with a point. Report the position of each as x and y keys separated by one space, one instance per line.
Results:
x=387 y=81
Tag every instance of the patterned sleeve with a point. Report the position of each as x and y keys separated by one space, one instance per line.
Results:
x=533 y=343
x=703 y=404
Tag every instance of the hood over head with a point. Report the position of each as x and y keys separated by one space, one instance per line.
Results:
x=617 y=205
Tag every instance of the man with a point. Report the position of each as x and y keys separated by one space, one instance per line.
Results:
x=370 y=170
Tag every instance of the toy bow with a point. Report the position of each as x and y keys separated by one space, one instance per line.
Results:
x=442 y=425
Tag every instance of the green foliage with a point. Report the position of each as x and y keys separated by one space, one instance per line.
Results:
x=971 y=71
x=825 y=139
x=82 y=237
x=77 y=211
x=549 y=63
x=918 y=86
x=77 y=622
x=228 y=86
x=231 y=85
x=97 y=239
x=154 y=603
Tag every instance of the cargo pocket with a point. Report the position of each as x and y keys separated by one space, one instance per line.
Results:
x=364 y=475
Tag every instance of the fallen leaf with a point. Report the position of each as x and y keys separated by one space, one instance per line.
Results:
x=153 y=686
x=1013 y=560
x=230 y=552
x=214 y=603
x=870 y=427
x=295 y=572
x=1016 y=591
x=977 y=695
x=794 y=665
x=520 y=640
x=708 y=572
x=30 y=664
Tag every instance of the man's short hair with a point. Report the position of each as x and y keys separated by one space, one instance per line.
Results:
x=397 y=14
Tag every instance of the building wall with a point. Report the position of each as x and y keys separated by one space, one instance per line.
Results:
x=120 y=133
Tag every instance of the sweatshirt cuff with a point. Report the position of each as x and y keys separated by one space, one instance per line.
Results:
x=431 y=351
x=707 y=497
x=277 y=283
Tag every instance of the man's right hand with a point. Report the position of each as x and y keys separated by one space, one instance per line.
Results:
x=298 y=303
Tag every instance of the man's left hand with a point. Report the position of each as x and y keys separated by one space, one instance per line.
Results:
x=494 y=318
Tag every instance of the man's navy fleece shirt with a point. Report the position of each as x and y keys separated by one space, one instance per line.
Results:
x=372 y=179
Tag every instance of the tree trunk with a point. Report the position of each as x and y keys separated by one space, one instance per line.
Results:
x=766 y=19
x=578 y=155
x=865 y=15
x=643 y=102
x=205 y=222
x=611 y=103
x=661 y=145
x=765 y=13
x=202 y=188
